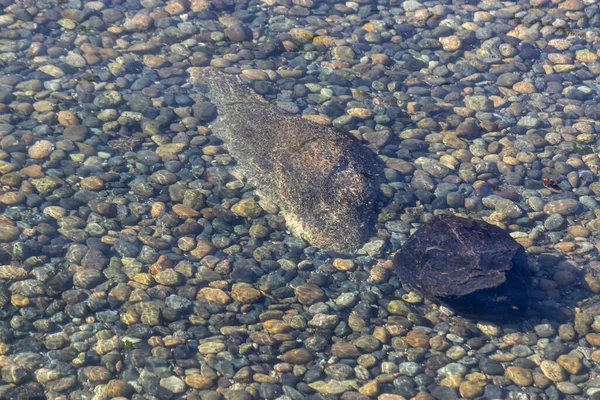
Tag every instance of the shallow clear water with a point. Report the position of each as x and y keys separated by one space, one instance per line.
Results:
x=164 y=235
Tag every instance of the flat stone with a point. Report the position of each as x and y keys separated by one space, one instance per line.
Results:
x=75 y=133
x=470 y=390
x=297 y=356
x=173 y=384
x=593 y=339
x=562 y=207
x=519 y=376
x=309 y=294
x=214 y=295
x=211 y=348
x=199 y=382
x=8 y=233
x=333 y=387
x=524 y=87
x=324 y=321
x=97 y=374
x=118 y=388
x=52 y=70
x=245 y=293
x=568 y=388
x=417 y=338
x=347 y=350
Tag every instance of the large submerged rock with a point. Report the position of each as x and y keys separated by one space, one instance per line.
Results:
x=324 y=181
x=474 y=268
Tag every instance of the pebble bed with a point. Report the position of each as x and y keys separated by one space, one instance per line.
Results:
x=137 y=263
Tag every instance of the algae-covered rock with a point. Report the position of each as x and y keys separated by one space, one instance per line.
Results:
x=473 y=267
x=324 y=180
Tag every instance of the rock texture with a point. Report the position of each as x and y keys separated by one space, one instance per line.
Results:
x=475 y=268
x=324 y=181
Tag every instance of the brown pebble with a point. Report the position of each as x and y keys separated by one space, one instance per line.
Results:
x=566 y=247
x=185 y=211
x=592 y=282
x=593 y=339
x=378 y=274
x=92 y=183
x=163 y=263
x=246 y=208
x=344 y=350
x=245 y=293
x=66 y=118
x=367 y=360
x=12 y=198
x=356 y=322
x=418 y=396
x=309 y=294
x=158 y=208
x=380 y=58
x=33 y=171
x=451 y=43
x=215 y=295
x=566 y=332
x=8 y=233
x=199 y=382
x=540 y=380
x=19 y=300
x=439 y=343
x=97 y=374
x=203 y=248
x=13 y=273
x=519 y=376
x=571 y=364
x=342 y=264
x=524 y=87
x=370 y=388
x=416 y=338
x=469 y=390
x=296 y=356
x=381 y=334
x=118 y=388
x=578 y=231
x=596 y=356
x=274 y=326
x=41 y=149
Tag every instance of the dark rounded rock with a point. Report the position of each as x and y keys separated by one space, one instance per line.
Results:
x=555 y=349
x=126 y=249
x=238 y=33
x=94 y=259
x=88 y=278
x=269 y=390
x=468 y=129
x=75 y=133
x=104 y=208
x=491 y=367
x=473 y=267
x=444 y=393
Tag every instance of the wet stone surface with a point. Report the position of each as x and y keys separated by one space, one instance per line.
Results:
x=474 y=267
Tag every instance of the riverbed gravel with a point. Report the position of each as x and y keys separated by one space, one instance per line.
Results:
x=137 y=262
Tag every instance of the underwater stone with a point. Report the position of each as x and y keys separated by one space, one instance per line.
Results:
x=324 y=180
x=474 y=268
